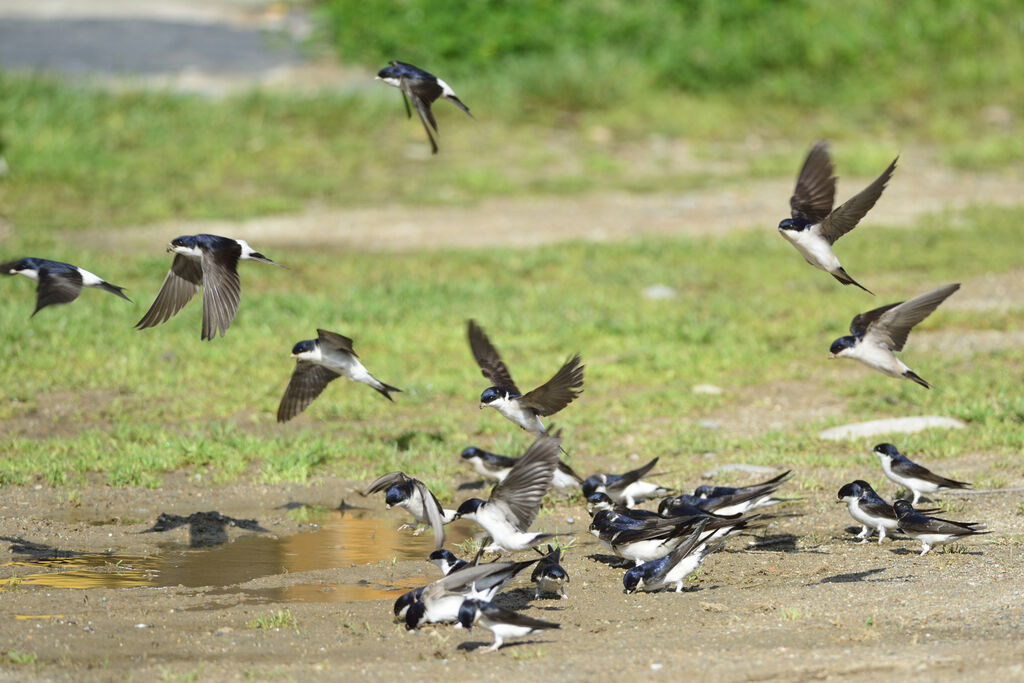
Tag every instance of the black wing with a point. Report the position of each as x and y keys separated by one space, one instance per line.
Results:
x=892 y=326
x=559 y=391
x=846 y=216
x=307 y=382
x=221 y=289
x=54 y=288
x=433 y=509
x=521 y=491
x=386 y=481
x=180 y=285
x=488 y=358
x=335 y=341
x=631 y=477
x=815 y=186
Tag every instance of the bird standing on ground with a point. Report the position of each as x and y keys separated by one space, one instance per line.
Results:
x=503 y=623
x=57 y=282
x=422 y=88
x=932 y=531
x=876 y=334
x=905 y=472
x=814 y=226
x=317 y=363
x=210 y=261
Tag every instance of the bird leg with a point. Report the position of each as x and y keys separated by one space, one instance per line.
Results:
x=881 y=534
x=864 y=534
x=495 y=645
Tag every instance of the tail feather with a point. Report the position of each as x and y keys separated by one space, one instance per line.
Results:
x=845 y=278
x=384 y=390
x=114 y=289
x=909 y=374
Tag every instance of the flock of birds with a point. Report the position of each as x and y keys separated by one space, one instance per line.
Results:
x=661 y=548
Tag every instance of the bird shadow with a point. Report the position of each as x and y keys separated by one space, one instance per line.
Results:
x=472 y=485
x=19 y=546
x=611 y=560
x=855 y=577
x=778 y=542
x=515 y=599
x=473 y=646
x=403 y=441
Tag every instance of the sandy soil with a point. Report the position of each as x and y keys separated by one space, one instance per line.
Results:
x=808 y=603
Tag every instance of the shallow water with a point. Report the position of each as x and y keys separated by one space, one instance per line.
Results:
x=339 y=539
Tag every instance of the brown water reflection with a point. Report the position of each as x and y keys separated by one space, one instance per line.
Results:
x=342 y=539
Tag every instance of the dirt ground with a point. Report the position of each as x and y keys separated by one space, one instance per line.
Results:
x=803 y=602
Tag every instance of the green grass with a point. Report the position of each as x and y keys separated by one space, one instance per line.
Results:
x=281 y=619
x=85 y=393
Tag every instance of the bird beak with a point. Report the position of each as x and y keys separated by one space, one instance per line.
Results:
x=387 y=507
x=170 y=247
x=295 y=355
x=377 y=78
x=832 y=356
x=482 y=405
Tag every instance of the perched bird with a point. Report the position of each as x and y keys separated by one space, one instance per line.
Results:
x=932 y=531
x=645 y=540
x=494 y=466
x=902 y=470
x=601 y=501
x=501 y=622
x=728 y=500
x=446 y=561
x=440 y=601
x=210 y=261
x=412 y=494
x=814 y=226
x=549 y=575
x=317 y=363
x=670 y=571
x=624 y=488
x=513 y=504
x=422 y=88
x=876 y=334
x=869 y=509
x=523 y=409
x=56 y=282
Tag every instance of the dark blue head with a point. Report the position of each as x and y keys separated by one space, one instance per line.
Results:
x=591 y=484
x=467 y=613
x=186 y=241
x=442 y=555
x=841 y=344
x=414 y=615
x=704 y=491
x=902 y=508
x=851 y=490
x=469 y=507
x=794 y=224
x=631 y=581
x=887 y=449
x=304 y=346
x=12 y=267
x=397 y=494
x=471 y=452
x=405 y=601
x=492 y=394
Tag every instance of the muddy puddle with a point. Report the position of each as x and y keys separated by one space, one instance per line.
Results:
x=337 y=540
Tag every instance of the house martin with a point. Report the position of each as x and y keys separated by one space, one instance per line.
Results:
x=728 y=500
x=446 y=561
x=513 y=504
x=318 y=362
x=422 y=88
x=549 y=575
x=905 y=472
x=869 y=510
x=669 y=572
x=412 y=494
x=56 y=282
x=523 y=409
x=876 y=334
x=932 y=531
x=601 y=501
x=497 y=467
x=440 y=601
x=501 y=622
x=814 y=226
x=210 y=261
x=651 y=539
x=624 y=488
